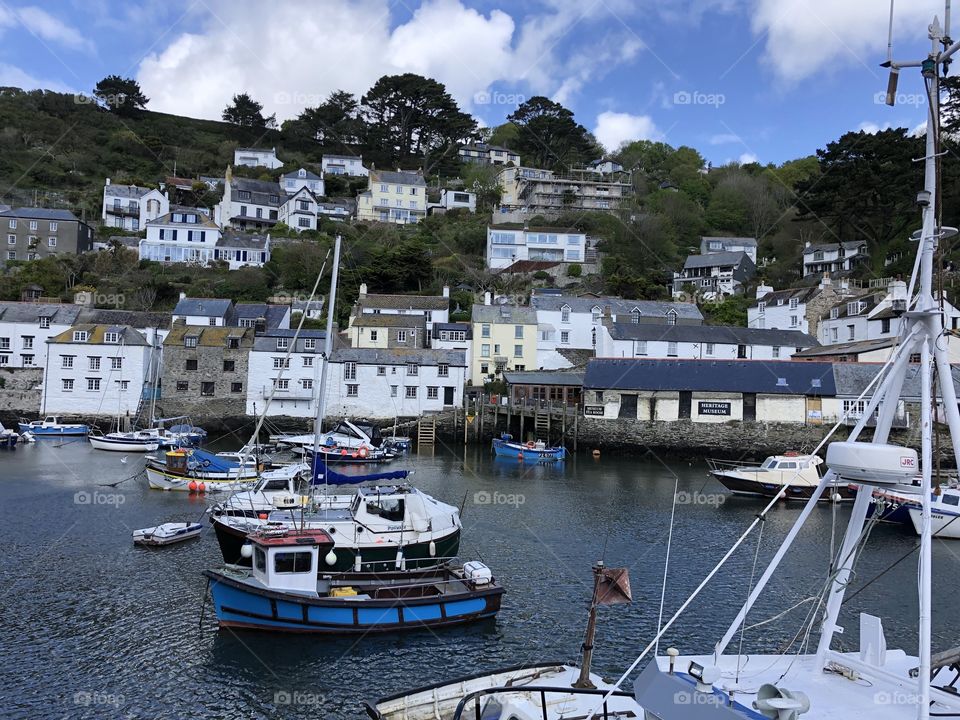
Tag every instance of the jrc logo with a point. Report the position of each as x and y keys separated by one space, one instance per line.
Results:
x=907 y=461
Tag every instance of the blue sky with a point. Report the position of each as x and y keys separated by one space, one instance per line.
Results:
x=737 y=79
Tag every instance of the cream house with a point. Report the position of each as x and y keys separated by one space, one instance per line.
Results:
x=396 y=197
x=504 y=339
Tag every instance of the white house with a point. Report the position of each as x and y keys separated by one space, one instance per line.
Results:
x=130 y=207
x=214 y=312
x=257 y=157
x=294 y=381
x=729 y=244
x=433 y=308
x=180 y=236
x=507 y=244
x=721 y=342
x=344 y=165
x=299 y=210
x=218 y=312
x=568 y=322
x=26 y=327
x=452 y=336
x=302 y=178
x=454 y=200
x=605 y=166
x=390 y=383
x=337 y=209
x=796 y=308
x=714 y=274
x=485 y=154
x=243 y=249
x=97 y=370
x=833 y=257
x=248 y=204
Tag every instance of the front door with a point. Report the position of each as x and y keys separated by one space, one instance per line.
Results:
x=448 y=395
x=686 y=401
x=750 y=407
x=814 y=411
x=628 y=406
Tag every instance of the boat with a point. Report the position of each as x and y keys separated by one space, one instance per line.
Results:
x=282 y=487
x=52 y=425
x=346 y=436
x=135 y=441
x=186 y=469
x=337 y=455
x=945 y=513
x=398 y=444
x=799 y=474
x=8 y=438
x=186 y=434
x=506 y=446
x=167 y=534
x=284 y=591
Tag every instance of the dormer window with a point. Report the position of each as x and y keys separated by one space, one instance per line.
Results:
x=761 y=307
x=834 y=313
x=275 y=199
x=672 y=317
x=779 y=301
x=595 y=314
x=243 y=195
x=302 y=173
x=80 y=336
x=635 y=316
x=44 y=322
x=855 y=308
x=111 y=337
x=794 y=302
x=283 y=343
x=190 y=342
x=565 y=314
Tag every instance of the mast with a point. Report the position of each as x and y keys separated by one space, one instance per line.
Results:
x=327 y=350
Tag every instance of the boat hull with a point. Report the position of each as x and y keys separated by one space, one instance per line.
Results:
x=63 y=430
x=240 y=605
x=376 y=557
x=162 y=480
x=168 y=534
x=756 y=488
x=9 y=442
x=123 y=444
x=528 y=454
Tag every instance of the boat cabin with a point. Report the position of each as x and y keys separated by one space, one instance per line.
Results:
x=790 y=462
x=288 y=561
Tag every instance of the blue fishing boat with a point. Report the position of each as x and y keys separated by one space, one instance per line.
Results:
x=282 y=591
x=52 y=426
x=506 y=446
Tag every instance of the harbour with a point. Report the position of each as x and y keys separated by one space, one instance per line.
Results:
x=118 y=629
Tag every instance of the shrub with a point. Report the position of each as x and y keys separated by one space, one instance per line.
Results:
x=575 y=270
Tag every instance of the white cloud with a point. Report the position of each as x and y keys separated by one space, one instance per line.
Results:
x=12 y=76
x=725 y=139
x=747 y=158
x=614 y=128
x=45 y=26
x=804 y=37
x=872 y=128
x=289 y=59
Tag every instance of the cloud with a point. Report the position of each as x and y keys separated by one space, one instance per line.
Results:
x=872 y=128
x=12 y=76
x=747 y=158
x=614 y=128
x=802 y=37
x=289 y=59
x=725 y=139
x=45 y=26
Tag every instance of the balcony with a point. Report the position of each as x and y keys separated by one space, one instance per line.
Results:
x=900 y=422
x=127 y=210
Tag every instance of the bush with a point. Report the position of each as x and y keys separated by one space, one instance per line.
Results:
x=541 y=275
x=575 y=270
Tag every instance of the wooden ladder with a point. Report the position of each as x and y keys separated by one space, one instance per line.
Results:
x=541 y=424
x=426 y=432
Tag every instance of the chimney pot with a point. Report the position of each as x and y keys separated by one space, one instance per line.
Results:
x=446 y=291
x=363 y=289
x=486 y=298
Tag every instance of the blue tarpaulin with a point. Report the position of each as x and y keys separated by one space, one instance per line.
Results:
x=201 y=459
x=324 y=475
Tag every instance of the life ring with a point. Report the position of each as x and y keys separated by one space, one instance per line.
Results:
x=531 y=445
x=343 y=452
x=363 y=452
x=791 y=453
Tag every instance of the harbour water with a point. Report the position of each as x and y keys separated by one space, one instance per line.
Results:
x=93 y=627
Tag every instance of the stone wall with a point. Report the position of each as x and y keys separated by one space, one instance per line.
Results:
x=224 y=402
x=20 y=393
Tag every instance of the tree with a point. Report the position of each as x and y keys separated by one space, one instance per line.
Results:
x=120 y=95
x=247 y=112
x=335 y=121
x=549 y=137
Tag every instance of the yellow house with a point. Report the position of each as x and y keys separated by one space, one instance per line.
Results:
x=398 y=197
x=504 y=338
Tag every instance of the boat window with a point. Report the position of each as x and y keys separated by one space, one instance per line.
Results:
x=292 y=562
x=951 y=499
x=769 y=464
x=261 y=559
x=788 y=466
x=275 y=484
x=387 y=508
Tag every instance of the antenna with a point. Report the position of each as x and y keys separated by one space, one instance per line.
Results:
x=894 y=77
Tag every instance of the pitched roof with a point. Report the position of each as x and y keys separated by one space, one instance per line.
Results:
x=748 y=241
x=801 y=294
x=715 y=259
x=400 y=356
x=618 y=306
x=851 y=379
x=208 y=336
x=251 y=241
x=95 y=335
x=400 y=321
x=24 y=312
x=203 y=218
x=404 y=302
x=454 y=327
x=133 y=318
x=400 y=177
x=718 y=334
x=543 y=377
x=342 y=157
x=203 y=306
x=262 y=192
x=849 y=245
x=267 y=342
x=847 y=348
x=753 y=376
x=504 y=314
x=127 y=191
x=40 y=214
x=273 y=315
x=307 y=175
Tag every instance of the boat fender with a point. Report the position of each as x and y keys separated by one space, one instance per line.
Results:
x=531 y=445
x=201 y=487
x=246 y=550
x=433 y=549
x=364 y=452
x=343 y=452
x=331 y=558
x=192 y=486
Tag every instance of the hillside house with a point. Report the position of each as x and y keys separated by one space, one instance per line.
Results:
x=433 y=308
x=291 y=182
x=130 y=207
x=729 y=244
x=181 y=236
x=486 y=154
x=257 y=157
x=248 y=204
x=349 y=165
x=396 y=197
x=299 y=210
x=509 y=244
x=714 y=275
x=534 y=191
x=833 y=258
x=34 y=233
x=504 y=339
x=239 y=249
x=286 y=368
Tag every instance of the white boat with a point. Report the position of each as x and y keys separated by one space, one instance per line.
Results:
x=196 y=470
x=793 y=474
x=945 y=514
x=129 y=442
x=347 y=435
x=283 y=487
x=167 y=534
x=8 y=438
x=52 y=425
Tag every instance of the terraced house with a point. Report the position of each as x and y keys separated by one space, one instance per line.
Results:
x=34 y=233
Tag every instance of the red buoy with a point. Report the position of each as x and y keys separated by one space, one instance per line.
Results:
x=192 y=486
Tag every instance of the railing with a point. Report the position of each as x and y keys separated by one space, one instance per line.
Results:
x=900 y=422
x=543 y=691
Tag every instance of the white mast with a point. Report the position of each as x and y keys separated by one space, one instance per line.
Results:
x=327 y=349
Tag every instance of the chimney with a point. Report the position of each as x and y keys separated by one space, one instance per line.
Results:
x=806 y=244
x=363 y=290
x=446 y=291
x=183 y=295
x=486 y=298
x=763 y=289
x=108 y=181
x=259 y=326
x=608 y=311
x=897 y=290
x=825 y=281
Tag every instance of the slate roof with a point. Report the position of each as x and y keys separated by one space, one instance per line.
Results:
x=342 y=157
x=847 y=348
x=272 y=314
x=132 y=318
x=40 y=214
x=133 y=192
x=307 y=176
x=125 y=240
x=802 y=294
x=719 y=334
x=715 y=259
x=400 y=356
x=456 y=327
x=208 y=336
x=95 y=334
x=242 y=240
x=562 y=377
x=400 y=321
x=852 y=378
x=203 y=306
x=850 y=245
x=781 y=377
x=21 y=312
x=204 y=219
x=505 y=314
x=750 y=242
x=618 y=306
x=267 y=342
x=257 y=150
x=403 y=177
x=404 y=302
x=262 y=192
x=535 y=228
x=871 y=302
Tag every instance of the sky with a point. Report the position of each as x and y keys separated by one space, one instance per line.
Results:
x=740 y=80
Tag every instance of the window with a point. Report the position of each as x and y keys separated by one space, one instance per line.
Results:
x=410 y=391
x=672 y=318
x=381 y=370
x=885 y=325
x=710 y=349
x=485 y=350
x=401 y=336
x=281 y=384
x=236 y=387
x=761 y=307
x=485 y=331
x=123 y=384
x=851 y=332
x=233 y=343
x=671 y=349
x=27 y=342
x=4 y=359
x=292 y=562
x=353 y=390
x=776 y=351
x=413 y=369
x=51 y=242
x=190 y=364
x=282 y=343
x=116 y=363
x=443 y=370
x=794 y=302
x=641 y=347
x=565 y=314
x=229 y=365
x=190 y=342
x=308 y=361
x=433 y=393
x=67 y=385
x=518 y=351
x=595 y=314
x=854 y=408
x=33 y=225
x=94 y=363
x=12 y=255
x=309 y=344
x=307 y=384
x=485 y=368
x=279 y=362
x=27 y=360
x=518 y=332
x=794 y=321
x=564 y=336
x=66 y=362
x=11 y=239
x=12 y=224
x=496 y=348
x=53 y=227
x=111 y=337
x=393 y=391
x=78 y=336
x=182 y=386
x=350 y=371
x=598 y=397
x=373 y=335
x=93 y=384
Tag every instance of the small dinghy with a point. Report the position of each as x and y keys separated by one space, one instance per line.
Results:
x=506 y=446
x=166 y=534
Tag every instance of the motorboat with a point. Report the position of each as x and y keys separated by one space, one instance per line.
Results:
x=793 y=475
x=186 y=469
x=282 y=487
x=285 y=590
x=167 y=534
x=347 y=435
x=532 y=451
x=8 y=438
x=944 y=512
x=136 y=441
x=52 y=425
x=337 y=455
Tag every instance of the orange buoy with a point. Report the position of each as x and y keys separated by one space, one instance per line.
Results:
x=343 y=452
x=192 y=486
x=202 y=488
x=520 y=455
x=263 y=516
x=363 y=451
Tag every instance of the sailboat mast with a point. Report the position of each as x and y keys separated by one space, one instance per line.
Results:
x=327 y=350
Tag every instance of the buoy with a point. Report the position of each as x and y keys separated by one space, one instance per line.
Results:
x=201 y=487
x=433 y=549
x=364 y=452
x=246 y=550
x=835 y=497
x=263 y=516
x=331 y=558
x=357 y=563
x=353 y=455
x=520 y=455
x=192 y=486
x=343 y=452
x=596 y=453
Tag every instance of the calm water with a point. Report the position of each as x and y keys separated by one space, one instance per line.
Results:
x=93 y=627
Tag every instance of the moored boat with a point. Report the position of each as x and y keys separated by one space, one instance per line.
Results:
x=539 y=451
x=794 y=474
x=8 y=438
x=52 y=425
x=166 y=534
x=284 y=591
x=185 y=469
x=131 y=442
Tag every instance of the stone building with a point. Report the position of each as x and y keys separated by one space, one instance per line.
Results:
x=205 y=370
x=388 y=331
